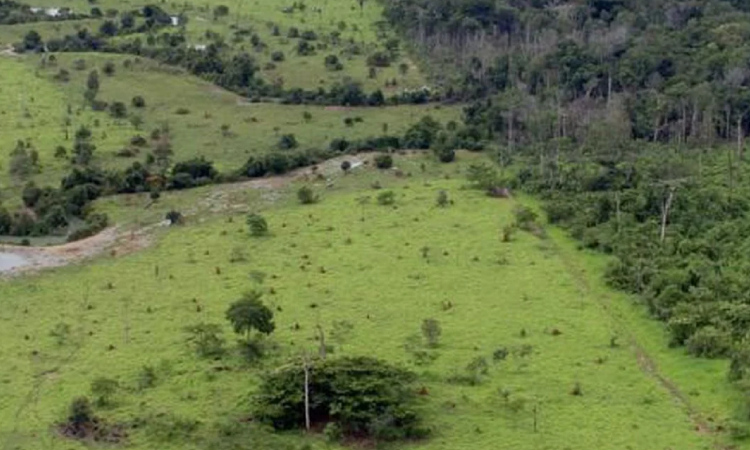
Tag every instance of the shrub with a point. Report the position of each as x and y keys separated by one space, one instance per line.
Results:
x=81 y=422
x=287 y=142
x=379 y=59
x=257 y=224
x=442 y=199
x=306 y=196
x=146 y=378
x=138 y=141
x=109 y=68
x=118 y=110
x=138 y=102
x=383 y=161
x=174 y=217
x=206 y=340
x=332 y=63
x=386 y=198
x=508 y=231
x=709 y=342
x=333 y=432
x=482 y=176
x=445 y=154
x=339 y=145
x=431 y=331
x=277 y=56
x=103 y=389
x=525 y=217
x=304 y=48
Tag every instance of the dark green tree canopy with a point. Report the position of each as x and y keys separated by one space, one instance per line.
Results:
x=362 y=395
x=249 y=314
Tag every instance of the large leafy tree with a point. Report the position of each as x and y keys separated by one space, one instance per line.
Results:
x=248 y=315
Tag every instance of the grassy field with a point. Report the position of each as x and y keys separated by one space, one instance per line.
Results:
x=357 y=29
x=37 y=107
x=383 y=269
x=10 y=34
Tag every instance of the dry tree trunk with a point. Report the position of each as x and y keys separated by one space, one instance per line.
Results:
x=306 y=363
x=665 y=213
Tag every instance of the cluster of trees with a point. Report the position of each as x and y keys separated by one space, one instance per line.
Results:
x=661 y=70
x=353 y=397
x=12 y=13
x=218 y=63
x=51 y=210
x=149 y=19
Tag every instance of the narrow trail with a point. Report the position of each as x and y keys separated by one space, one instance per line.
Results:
x=645 y=362
x=118 y=241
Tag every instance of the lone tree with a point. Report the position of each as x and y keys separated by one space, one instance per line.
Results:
x=257 y=224
x=248 y=315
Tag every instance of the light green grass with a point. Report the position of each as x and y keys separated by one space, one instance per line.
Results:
x=379 y=282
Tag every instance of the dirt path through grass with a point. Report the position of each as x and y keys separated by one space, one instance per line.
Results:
x=645 y=362
x=118 y=241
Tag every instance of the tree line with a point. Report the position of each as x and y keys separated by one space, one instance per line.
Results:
x=13 y=13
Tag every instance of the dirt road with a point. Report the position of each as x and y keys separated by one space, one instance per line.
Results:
x=117 y=241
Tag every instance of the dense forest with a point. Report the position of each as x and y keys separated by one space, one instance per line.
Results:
x=674 y=71
x=629 y=118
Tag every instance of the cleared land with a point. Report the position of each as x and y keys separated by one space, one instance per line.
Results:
x=383 y=275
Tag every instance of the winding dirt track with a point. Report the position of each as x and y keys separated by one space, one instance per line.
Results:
x=118 y=241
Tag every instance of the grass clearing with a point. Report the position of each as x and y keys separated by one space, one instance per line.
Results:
x=374 y=274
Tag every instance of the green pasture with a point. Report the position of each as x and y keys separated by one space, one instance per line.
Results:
x=383 y=270
x=46 y=111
